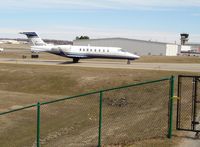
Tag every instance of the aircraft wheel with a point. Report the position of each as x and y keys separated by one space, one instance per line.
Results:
x=128 y=62
x=75 y=60
x=34 y=56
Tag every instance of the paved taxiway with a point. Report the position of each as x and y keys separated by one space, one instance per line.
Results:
x=189 y=67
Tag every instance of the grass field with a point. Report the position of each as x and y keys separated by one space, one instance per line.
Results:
x=26 y=84
x=61 y=81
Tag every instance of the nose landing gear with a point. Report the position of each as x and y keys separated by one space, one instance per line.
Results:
x=128 y=62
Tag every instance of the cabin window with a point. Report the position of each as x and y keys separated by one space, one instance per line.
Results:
x=83 y=49
x=80 y=49
x=99 y=50
x=103 y=50
x=107 y=50
x=95 y=50
x=87 y=49
x=91 y=50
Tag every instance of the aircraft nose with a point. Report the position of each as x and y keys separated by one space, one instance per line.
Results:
x=133 y=56
x=136 y=56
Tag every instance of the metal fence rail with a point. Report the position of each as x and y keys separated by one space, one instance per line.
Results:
x=119 y=115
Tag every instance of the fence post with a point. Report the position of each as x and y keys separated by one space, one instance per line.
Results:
x=100 y=118
x=171 y=107
x=38 y=124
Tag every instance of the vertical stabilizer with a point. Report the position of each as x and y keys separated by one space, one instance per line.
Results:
x=34 y=38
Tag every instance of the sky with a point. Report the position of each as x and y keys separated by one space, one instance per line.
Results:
x=155 y=20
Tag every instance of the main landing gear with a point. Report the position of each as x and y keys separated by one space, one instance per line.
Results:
x=34 y=56
x=75 y=60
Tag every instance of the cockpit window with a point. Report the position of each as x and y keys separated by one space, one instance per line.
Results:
x=121 y=50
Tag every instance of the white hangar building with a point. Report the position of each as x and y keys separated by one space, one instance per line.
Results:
x=138 y=47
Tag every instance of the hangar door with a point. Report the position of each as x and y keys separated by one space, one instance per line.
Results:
x=171 y=50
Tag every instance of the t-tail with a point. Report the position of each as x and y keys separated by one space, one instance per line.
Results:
x=34 y=39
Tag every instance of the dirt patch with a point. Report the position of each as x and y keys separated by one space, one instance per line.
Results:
x=117 y=102
x=15 y=107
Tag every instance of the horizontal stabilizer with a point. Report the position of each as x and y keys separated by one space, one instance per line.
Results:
x=29 y=34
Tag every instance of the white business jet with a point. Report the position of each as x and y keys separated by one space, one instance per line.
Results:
x=77 y=52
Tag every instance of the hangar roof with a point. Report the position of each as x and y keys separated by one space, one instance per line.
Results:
x=119 y=38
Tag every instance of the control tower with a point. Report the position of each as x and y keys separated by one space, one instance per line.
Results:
x=184 y=38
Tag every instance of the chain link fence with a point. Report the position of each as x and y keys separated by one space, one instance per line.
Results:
x=18 y=129
x=185 y=106
x=135 y=113
x=188 y=105
x=116 y=116
x=73 y=122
